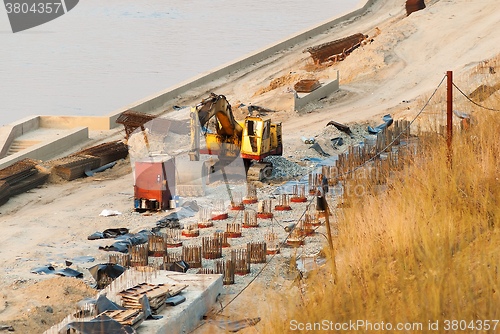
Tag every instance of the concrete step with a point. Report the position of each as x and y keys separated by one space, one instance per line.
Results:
x=19 y=145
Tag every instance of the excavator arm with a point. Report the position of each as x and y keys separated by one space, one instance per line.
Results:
x=218 y=106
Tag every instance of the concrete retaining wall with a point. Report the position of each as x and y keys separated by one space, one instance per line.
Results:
x=70 y=122
x=158 y=101
x=10 y=132
x=50 y=148
x=327 y=87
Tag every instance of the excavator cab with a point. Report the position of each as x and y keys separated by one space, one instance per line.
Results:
x=256 y=138
x=232 y=141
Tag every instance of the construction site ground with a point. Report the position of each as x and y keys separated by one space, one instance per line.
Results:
x=393 y=74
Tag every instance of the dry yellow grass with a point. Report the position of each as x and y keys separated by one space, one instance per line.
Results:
x=427 y=249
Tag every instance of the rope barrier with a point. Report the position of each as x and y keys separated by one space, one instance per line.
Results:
x=468 y=98
x=395 y=139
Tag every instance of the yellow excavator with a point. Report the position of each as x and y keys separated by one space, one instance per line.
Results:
x=252 y=140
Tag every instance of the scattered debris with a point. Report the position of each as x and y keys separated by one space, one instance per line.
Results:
x=68 y=272
x=179 y=266
x=175 y=300
x=109 y=213
x=259 y=110
x=318 y=149
x=90 y=173
x=123 y=241
x=110 y=233
x=43 y=270
x=49 y=269
x=177 y=108
x=100 y=324
x=337 y=142
x=6 y=328
x=340 y=127
x=461 y=115
x=308 y=141
x=104 y=274
x=311 y=159
x=388 y=121
x=103 y=304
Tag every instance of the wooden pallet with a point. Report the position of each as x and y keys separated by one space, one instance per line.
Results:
x=156 y=294
x=130 y=317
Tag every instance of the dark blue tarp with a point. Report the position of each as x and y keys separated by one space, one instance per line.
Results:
x=388 y=121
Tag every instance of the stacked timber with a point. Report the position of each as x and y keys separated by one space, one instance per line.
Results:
x=129 y=317
x=156 y=294
x=73 y=167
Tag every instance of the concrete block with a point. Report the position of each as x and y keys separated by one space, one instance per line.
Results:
x=327 y=87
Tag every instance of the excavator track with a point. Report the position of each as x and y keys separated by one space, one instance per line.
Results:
x=260 y=171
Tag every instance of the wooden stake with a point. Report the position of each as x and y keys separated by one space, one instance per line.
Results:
x=449 y=118
x=330 y=241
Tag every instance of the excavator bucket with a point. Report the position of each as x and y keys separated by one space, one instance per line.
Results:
x=191 y=178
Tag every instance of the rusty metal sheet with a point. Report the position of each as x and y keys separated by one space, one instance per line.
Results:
x=321 y=53
x=107 y=152
x=29 y=183
x=414 y=6
x=18 y=171
x=72 y=167
x=341 y=127
x=4 y=192
x=306 y=86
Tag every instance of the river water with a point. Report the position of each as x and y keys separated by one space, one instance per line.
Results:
x=103 y=55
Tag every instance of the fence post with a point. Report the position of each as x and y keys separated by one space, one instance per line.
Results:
x=449 y=118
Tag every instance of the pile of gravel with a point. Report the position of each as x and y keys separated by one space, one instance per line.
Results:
x=284 y=168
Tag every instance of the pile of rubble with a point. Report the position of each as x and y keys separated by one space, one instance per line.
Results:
x=285 y=168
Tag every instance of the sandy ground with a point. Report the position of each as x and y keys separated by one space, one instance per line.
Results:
x=404 y=63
